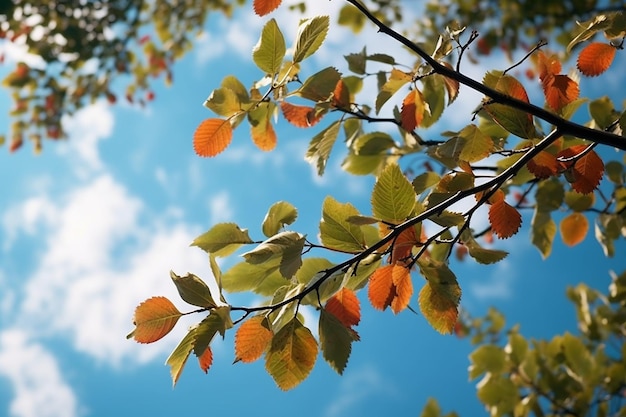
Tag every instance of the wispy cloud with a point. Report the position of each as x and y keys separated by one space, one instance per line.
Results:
x=497 y=286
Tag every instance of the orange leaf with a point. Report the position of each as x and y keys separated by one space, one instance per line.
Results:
x=574 y=228
x=345 y=306
x=438 y=304
x=412 y=112
x=401 y=278
x=547 y=65
x=586 y=172
x=212 y=137
x=403 y=246
x=559 y=90
x=206 y=359
x=505 y=220
x=252 y=339
x=263 y=135
x=494 y=198
x=543 y=165
x=381 y=290
x=263 y=7
x=595 y=58
x=299 y=116
x=154 y=318
x=341 y=95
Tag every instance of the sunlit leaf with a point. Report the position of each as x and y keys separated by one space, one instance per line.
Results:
x=595 y=58
x=586 y=172
x=345 y=306
x=270 y=50
x=505 y=220
x=396 y=80
x=579 y=202
x=393 y=197
x=261 y=128
x=206 y=359
x=280 y=214
x=321 y=146
x=193 y=290
x=559 y=91
x=512 y=120
x=252 y=339
x=212 y=136
x=476 y=145
x=263 y=279
x=286 y=245
x=543 y=165
x=401 y=278
x=413 y=108
x=549 y=195
x=319 y=86
x=335 y=340
x=336 y=231
x=574 y=228
x=291 y=355
x=263 y=7
x=153 y=319
x=381 y=289
x=299 y=116
x=438 y=303
x=452 y=86
x=403 y=245
x=222 y=239
x=180 y=354
x=547 y=65
x=311 y=35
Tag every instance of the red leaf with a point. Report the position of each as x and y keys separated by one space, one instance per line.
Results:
x=543 y=165
x=263 y=7
x=559 y=90
x=586 y=172
x=381 y=289
x=547 y=65
x=505 y=220
x=412 y=112
x=206 y=359
x=345 y=306
x=595 y=58
x=341 y=95
x=212 y=137
x=299 y=116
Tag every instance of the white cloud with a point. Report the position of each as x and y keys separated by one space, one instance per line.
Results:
x=220 y=207
x=39 y=387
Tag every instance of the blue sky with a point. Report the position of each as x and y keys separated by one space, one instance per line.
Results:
x=93 y=226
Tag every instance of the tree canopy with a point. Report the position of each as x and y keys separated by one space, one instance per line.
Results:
x=533 y=144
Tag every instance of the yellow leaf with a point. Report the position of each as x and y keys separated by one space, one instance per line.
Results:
x=263 y=135
x=438 y=303
x=574 y=228
x=252 y=339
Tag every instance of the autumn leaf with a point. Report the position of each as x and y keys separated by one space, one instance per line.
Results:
x=584 y=174
x=412 y=112
x=212 y=137
x=263 y=7
x=291 y=355
x=299 y=116
x=438 y=303
x=505 y=220
x=401 y=278
x=574 y=228
x=252 y=339
x=547 y=65
x=403 y=245
x=206 y=359
x=559 y=91
x=345 y=306
x=335 y=340
x=263 y=135
x=154 y=318
x=341 y=95
x=595 y=58
x=381 y=289
x=543 y=165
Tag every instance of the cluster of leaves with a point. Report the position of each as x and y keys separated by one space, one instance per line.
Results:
x=569 y=374
x=85 y=47
x=504 y=161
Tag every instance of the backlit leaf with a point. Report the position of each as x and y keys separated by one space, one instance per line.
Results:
x=381 y=290
x=263 y=279
x=396 y=80
x=263 y=7
x=335 y=340
x=424 y=181
x=452 y=86
x=319 y=86
x=336 y=231
x=252 y=339
x=505 y=220
x=542 y=232
x=574 y=228
x=286 y=245
x=512 y=120
x=595 y=58
x=321 y=145
x=345 y=306
x=280 y=214
x=193 y=290
x=547 y=65
x=311 y=35
x=206 y=359
x=393 y=197
x=476 y=145
x=579 y=202
x=180 y=354
x=543 y=165
x=270 y=50
x=438 y=303
x=212 y=136
x=291 y=355
x=153 y=319
x=341 y=95
x=403 y=245
x=412 y=112
x=222 y=239
x=559 y=91
x=586 y=172
x=261 y=129
x=223 y=101
x=401 y=278
x=299 y=116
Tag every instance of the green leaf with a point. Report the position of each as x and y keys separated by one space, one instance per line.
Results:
x=440 y=296
x=335 y=341
x=350 y=16
x=499 y=394
x=373 y=143
x=263 y=279
x=232 y=83
x=270 y=50
x=543 y=230
x=431 y=409
x=362 y=164
x=434 y=93
x=579 y=202
x=193 y=290
x=319 y=86
x=393 y=197
x=321 y=145
x=358 y=275
x=382 y=58
x=357 y=62
x=286 y=245
x=602 y=112
x=280 y=214
x=549 y=195
x=487 y=358
x=311 y=35
x=424 y=181
x=615 y=172
x=180 y=354
x=217 y=322
x=336 y=232
x=292 y=355
x=517 y=348
x=223 y=101
x=476 y=145
x=396 y=80
x=222 y=239
x=217 y=274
